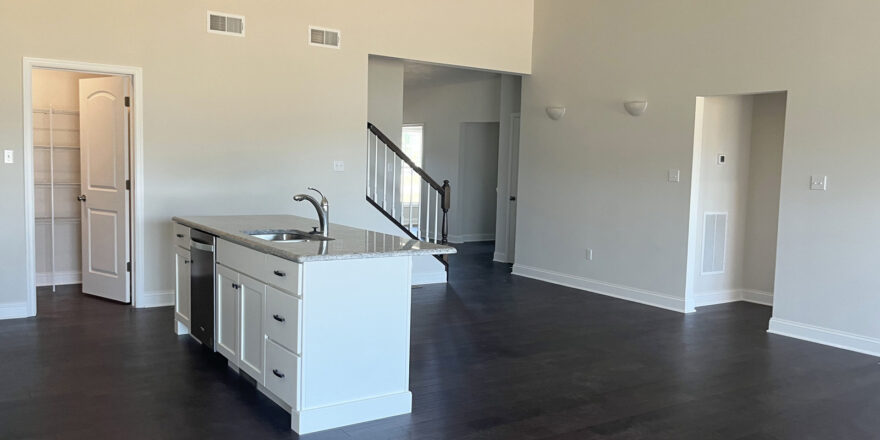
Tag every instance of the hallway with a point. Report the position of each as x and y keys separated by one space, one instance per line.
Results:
x=493 y=356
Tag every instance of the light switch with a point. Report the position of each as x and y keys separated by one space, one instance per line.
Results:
x=674 y=175
x=721 y=159
x=8 y=157
x=819 y=183
x=338 y=165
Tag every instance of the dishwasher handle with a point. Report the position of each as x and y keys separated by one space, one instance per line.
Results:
x=193 y=244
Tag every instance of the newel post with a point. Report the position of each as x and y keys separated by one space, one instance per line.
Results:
x=447 y=202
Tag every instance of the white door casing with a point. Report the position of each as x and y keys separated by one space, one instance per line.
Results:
x=513 y=176
x=104 y=161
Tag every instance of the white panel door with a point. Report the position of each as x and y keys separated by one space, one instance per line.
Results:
x=251 y=339
x=104 y=140
x=227 y=319
x=182 y=305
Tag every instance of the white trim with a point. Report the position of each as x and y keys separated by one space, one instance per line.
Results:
x=343 y=414
x=225 y=14
x=14 y=310
x=757 y=297
x=825 y=336
x=500 y=257
x=61 y=278
x=465 y=238
x=158 y=298
x=628 y=293
x=137 y=177
x=733 y=295
x=422 y=278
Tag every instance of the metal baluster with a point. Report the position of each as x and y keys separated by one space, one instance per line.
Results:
x=428 y=215
x=410 y=199
x=385 y=180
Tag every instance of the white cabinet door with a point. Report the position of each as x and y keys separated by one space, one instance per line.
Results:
x=227 y=319
x=251 y=349
x=182 y=302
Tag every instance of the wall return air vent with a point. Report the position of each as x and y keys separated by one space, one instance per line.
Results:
x=225 y=24
x=324 y=37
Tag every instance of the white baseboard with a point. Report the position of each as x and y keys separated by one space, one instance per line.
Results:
x=758 y=297
x=61 y=278
x=348 y=413
x=825 y=336
x=628 y=293
x=159 y=298
x=733 y=295
x=464 y=238
x=422 y=278
x=500 y=257
x=14 y=310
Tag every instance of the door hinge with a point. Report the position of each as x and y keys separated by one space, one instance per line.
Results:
x=128 y=266
x=127 y=183
x=128 y=101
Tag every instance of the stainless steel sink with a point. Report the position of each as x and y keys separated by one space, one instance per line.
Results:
x=286 y=235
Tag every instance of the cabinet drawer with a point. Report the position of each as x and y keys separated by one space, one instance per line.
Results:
x=282 y=373
x=283 y=318
x=242 y=259
x=282 y=273
x=181 y=235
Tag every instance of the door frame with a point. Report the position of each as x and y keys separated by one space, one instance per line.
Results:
x=510 y=171
x=136 y=196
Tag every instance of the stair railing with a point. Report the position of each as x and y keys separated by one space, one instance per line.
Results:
x=404 y=192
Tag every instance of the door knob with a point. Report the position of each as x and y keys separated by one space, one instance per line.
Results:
x=512 y=198
x=81 y=197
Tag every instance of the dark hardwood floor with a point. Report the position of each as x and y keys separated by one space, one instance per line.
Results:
x=493 y=357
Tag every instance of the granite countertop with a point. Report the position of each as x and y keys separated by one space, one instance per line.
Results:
x=348 y=243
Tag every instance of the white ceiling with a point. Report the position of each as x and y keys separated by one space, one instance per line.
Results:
x=417 y=74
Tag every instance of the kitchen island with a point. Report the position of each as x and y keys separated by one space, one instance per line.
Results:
x=321 y=324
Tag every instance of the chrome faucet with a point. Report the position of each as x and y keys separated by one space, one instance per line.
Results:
x=323 y=208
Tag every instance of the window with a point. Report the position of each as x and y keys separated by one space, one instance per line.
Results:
x=410 y=182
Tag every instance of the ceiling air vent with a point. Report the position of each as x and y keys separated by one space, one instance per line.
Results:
x=323 y=37
x=226 y=24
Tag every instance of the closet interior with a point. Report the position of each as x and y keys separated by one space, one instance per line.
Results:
x=57 y=181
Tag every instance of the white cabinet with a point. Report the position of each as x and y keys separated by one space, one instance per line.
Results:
x=227 y=309
x=182 y=262
x=251 y=341
x=182 y=271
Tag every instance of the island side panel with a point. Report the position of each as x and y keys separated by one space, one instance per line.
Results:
x=356 y=330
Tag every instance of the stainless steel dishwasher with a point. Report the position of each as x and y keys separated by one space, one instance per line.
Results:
x=202 y=287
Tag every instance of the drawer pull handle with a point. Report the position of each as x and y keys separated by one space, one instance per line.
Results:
x=280 y=273
x=179 y=235
x=235 y=286
x=278 y=373
x=279 y=318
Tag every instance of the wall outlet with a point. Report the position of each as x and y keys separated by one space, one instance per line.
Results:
x=338 y=165
x=819 y=183
x=674 y=175
x=8 y=156
x=589 y=254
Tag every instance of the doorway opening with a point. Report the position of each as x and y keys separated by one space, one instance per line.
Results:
x=465 y=125
x=738 y=142
x=83 y=179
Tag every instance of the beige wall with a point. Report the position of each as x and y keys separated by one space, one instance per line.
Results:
x=443 y=109
x=608 y=169
x=765 y=175
x=238 y=125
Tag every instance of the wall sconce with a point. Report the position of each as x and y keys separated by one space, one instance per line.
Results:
x=635 y=108
x=555 y=113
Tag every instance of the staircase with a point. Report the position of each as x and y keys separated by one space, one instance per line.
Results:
x=404 y=193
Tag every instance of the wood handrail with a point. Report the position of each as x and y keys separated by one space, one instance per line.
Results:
x=394 y=148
